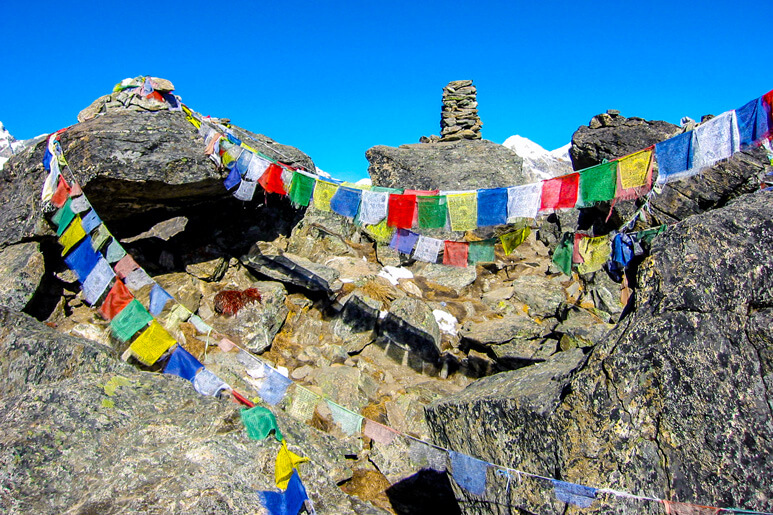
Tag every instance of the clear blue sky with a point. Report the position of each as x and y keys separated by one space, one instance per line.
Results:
x=336 y=78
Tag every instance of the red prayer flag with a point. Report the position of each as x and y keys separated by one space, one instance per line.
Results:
x=576 y=257
x=560 y=192
x=271 y=180
x=455 y=253
x=116 y=300
x=75 y=190
x=155 y=96
x=401 y=208
x=61 y=193
x=767 y=98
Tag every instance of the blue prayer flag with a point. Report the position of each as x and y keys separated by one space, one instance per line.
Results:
x=233 y=139
x=288 y=502
x=492 y=206
x=182 y=363
x=579 y=495
x=90 y=221
x=83 y=259
x=673 y=156
x=158 y=299
x=274 y=387
x=47 y=159
x=233 y=179
x=403 y=240
x=622 y=249
x=346 y=201
x=752 y=122
x=469 y=472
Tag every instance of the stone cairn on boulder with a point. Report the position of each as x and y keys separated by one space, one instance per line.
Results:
x=127 y=95
x=459 y=118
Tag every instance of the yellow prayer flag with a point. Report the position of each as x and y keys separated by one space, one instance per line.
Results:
x=633 y=169
x=323 y=192
x=72 y=235
x=512 y=239
x=463 y=211
x=152 y=343
x=286 y=461
x=595 y=252
x=381 y=232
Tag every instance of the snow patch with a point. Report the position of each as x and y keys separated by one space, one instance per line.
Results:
x=445 y=321
x=394 y=273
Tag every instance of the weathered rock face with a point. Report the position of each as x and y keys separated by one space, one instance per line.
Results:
x=675 y=403
x=461 y=164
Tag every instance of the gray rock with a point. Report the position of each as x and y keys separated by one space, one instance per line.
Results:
x=21 y=269
x=451 y=278
x=446 y=165
x=357 y=323
x=582 y=329
x=504 y=330
x=292 y=269
x=543 y=296
x=523 y=352
x=411 y=324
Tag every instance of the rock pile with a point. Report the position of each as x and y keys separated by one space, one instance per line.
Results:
x=130 y=94
x=459 y=118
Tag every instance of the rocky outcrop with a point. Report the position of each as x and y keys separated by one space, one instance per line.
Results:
x=675 y=403
x=454 y=165
x=459 y=118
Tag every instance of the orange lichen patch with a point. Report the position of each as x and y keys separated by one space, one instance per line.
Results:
x=229 y=302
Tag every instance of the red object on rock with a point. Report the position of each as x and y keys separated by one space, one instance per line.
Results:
x=229 y=302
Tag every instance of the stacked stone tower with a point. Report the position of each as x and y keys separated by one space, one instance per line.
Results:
x=459 y=118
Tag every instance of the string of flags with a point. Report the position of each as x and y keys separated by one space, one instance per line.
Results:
x=116 y=285
x=389 y=214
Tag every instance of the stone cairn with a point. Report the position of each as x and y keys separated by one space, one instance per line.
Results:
x=459 y=118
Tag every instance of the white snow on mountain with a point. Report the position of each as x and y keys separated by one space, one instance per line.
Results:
x=10 y=145
x=537 y=161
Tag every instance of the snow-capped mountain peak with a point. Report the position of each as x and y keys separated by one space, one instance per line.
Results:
x=541 y=163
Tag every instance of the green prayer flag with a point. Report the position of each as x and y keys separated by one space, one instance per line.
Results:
x=562 y=256
x=259 y=423
x=480 y=252
x=57 y=218
x=384 y=189
x=648 y=235
x=301 y=188
x=598 y=183
x=432 y=212
x=131 y=319
x=67 y=216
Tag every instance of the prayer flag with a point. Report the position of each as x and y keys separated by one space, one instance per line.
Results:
x=401 y=209
x=245 y=191
x=419 y=193
x=346 y=201
x=226 y=345
x=576 y=256
x=463 y=211
x=595 y=252
x=90 y=221
x=182 y=363
x=562 y=256
x=559 y=192
x=151 y=344
x=304 y=403
x=424 y=455
x=381 y=232
x=579 y=495
x=76 y=191
x=427 y=249
x=288 y=502
x=83 y=259
x=271 y=180
x=256 y=169
x=469 y=472
x=752 y=122
x=673 y=157
x=480 y=252
x=231 y=155
x=158 y=299
x=80 y=204
x=680 y=508
x=243 y=163
x=379 y=433
x=492 y=206
x=138 y=278
x=274 y=387
x=301 y=188
x=115 y=252
x=634 y=175
x=348 y=421
x=432 y=212
x=715 y=140
x=622 y=249
x=208 y=384
x=513 y=239
x=232 y=180
x=374 y=206
x=404 y=240
x=125 y=266
x=286 y=464
x=50 y=184
x=117 y=299
x=455 y=253
x=65 y=219
x=260 y=423
x=100 y=236
x=61 y=194
x=72 y=235
x=63 y=212
x=323 y=192
x=597 y=184
x=131 y=319
x=97 y=281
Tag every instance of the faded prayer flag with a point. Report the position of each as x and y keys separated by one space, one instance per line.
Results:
x=463 y=211
x=469 y=472
x=480 y=252
x=427 y=249
x=562 y=256
x=208 y=384
x=125 y=266
x=158 y=299
x=715 y=140
x=579 y=495
x=595 y=252
x=274 y=387
x=97 y=281
x=349 y=422
x=455 y=253
x=374 y=207
x=378 y=432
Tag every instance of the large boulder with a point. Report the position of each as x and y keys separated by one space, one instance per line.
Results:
x=465 y=164
x=672 y=404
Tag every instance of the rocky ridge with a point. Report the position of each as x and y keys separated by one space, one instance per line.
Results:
x=328 y=315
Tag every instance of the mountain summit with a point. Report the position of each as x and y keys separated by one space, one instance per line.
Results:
x=542 y=163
